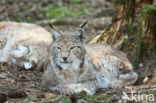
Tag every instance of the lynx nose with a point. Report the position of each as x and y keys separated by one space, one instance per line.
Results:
x=64 y=58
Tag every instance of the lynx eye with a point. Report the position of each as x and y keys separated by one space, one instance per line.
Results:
x=58 y=48
x=73 y=48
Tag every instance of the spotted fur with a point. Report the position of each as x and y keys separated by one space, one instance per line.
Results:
x=85 y=67
x=23 y=44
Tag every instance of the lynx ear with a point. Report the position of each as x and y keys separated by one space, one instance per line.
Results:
x=54 y=33
x=79 y=35
x=84 y=24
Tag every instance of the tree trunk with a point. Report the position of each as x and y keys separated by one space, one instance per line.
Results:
x=133 y=29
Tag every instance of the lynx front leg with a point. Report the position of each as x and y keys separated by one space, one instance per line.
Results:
x=23 y=64
x=89 y=87
x=124 y=80
x=128 y=79
x=48 y=79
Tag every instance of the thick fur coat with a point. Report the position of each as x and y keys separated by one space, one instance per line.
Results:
x=73 y=66
x=24 y=45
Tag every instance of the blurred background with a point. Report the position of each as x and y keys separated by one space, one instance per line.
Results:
x=135 y=36
x=63 y=13
x=35 y=10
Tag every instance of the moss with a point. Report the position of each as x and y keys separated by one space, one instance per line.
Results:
x=140 y=32
x=130 y=29
x=150 y=92
x=66 y=100
x=121 y=2
x=93 y=98
x=146 y=8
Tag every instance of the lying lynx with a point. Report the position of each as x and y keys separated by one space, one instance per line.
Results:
x=23 y=44
x=73 y=66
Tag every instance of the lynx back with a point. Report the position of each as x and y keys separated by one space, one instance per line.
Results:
x=24 y=45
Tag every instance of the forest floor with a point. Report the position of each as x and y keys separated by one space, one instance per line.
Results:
x=21 y=86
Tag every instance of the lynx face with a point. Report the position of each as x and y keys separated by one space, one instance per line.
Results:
x=67 y=52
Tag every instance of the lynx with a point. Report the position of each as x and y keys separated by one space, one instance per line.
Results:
x=74 y=67
x=24 y=45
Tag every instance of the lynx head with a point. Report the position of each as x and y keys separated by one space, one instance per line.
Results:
x=67 y=51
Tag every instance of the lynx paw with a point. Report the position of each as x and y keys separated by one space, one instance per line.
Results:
x=71 y=89
x=27 y=65
x=61 y=89
x=88 y=91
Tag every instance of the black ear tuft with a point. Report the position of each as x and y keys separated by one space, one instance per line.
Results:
x=51 y=26
x=79 y=35
x=54 y=33
x=84 y=24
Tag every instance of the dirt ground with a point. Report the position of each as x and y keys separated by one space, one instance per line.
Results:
x=21 y=86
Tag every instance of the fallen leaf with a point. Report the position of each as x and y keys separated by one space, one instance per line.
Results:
x=145 y=79
x=50 y=95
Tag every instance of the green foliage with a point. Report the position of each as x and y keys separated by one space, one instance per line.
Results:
x=57 y=10
x=76 y=1
x=12 y=90
x=88 y=98
x=147 y=8
x=69 y=11
x=66 y=100
x=93 y=98
x=20 y=18
x=151 y=92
